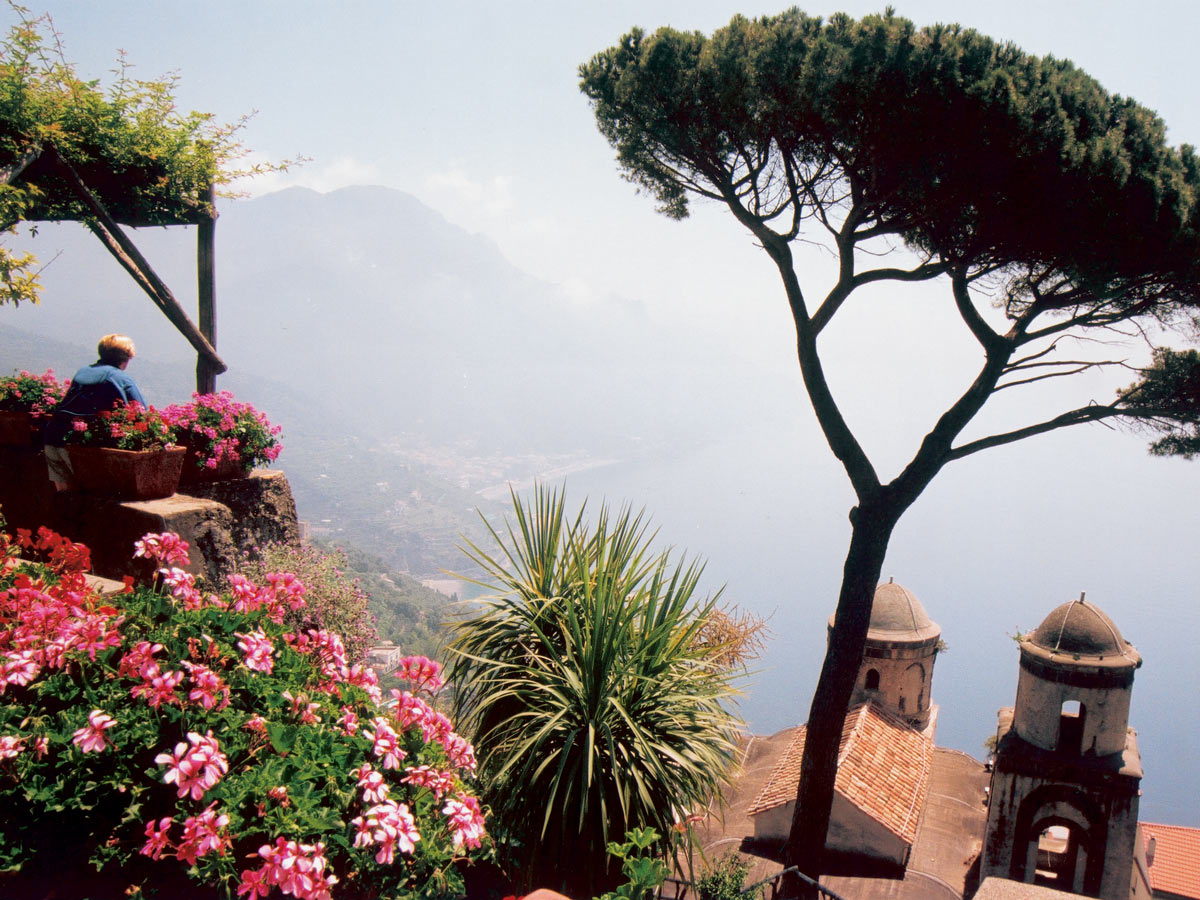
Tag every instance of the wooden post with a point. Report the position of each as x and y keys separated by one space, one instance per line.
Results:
x=206 y=294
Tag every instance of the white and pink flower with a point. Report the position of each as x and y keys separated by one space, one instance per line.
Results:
x=91 y=738
x=258 y=650
x=166 y=549
x=386 y=743
x=203 y=834
x=196 y=768
x=466 y=821
x=423 y=672
x=389 y=825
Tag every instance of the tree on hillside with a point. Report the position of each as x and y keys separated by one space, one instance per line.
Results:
x=1050 y=213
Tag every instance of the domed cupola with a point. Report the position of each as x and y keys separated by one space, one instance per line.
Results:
x=897 y=667
x=1075 y=683
x=1063 y=802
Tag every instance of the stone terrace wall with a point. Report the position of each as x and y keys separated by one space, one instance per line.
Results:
x=219 y=520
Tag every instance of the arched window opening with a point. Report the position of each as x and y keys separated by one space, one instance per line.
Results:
x=1070 y=727
x=1061 y=857
x=872 y=680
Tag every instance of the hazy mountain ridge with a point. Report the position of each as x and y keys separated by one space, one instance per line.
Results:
x=372 y=302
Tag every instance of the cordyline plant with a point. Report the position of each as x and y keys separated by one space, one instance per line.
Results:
x=34 y=394
x=127 y=426
x=164 y=742
x=217 y=427
x=596 y=698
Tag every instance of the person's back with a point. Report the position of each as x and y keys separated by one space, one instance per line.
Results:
x=94 y=389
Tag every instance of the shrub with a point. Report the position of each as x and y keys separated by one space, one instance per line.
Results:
x=127 y=426
x=724 y=880
x=35 y=394
x=333 y=600
x=181 y=744
x=595 y=702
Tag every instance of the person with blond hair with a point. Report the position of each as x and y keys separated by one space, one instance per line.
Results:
x=94 y=389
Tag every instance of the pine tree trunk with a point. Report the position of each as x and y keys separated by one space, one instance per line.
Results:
x=872 y=529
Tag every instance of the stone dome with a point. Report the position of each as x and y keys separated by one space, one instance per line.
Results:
x=1081 y=629
x=898 y=616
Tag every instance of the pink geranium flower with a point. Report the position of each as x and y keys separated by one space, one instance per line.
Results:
x=208 y=689
x=10 y=746
x=259 y=651
x=158 y=687
x=246 y=596
x=386 y=743
x=18 y=668
x=156 y=838
x=203 y=834
x=423 y=672
x=389 y=825
x=466 y=821
x=297 y=869
x=90 y=738
x=166 y=549
x=460 y=751
x=374 y=788
x=437 y=780
x=135 y=660
x=194 y=768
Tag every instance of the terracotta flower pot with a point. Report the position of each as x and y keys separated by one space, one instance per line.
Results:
x=19 y=429
x=196 y=473
x=128 y=474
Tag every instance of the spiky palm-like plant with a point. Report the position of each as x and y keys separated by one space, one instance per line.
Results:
x=597 y=703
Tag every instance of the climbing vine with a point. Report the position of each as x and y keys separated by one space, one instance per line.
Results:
x=148 y=162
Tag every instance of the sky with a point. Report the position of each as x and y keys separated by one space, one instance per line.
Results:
x=474 y=108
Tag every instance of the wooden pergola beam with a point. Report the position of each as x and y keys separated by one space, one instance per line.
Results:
x=17 y=166
x=209 y=364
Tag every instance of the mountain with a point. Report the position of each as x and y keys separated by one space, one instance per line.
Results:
x=395 y=319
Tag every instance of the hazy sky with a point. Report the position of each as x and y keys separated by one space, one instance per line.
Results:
x=475 y=109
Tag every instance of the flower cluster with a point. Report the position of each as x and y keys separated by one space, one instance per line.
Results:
x=202 y=834
x=34 y=394
x=296 y=869
x=216 y=427
x=278 y=770
x=127 y=426
x=422 y=672
x=196 y=766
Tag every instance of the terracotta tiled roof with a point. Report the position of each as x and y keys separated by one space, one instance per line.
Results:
x=883 y=769
x=1176 y=866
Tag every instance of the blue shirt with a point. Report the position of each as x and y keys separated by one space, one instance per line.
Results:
x=93 y=389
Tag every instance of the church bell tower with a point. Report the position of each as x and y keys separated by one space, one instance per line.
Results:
x=1063 y=804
